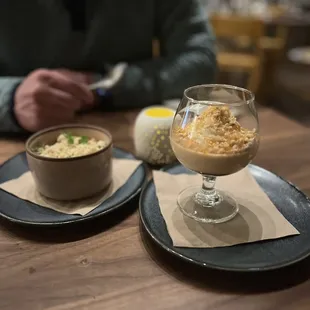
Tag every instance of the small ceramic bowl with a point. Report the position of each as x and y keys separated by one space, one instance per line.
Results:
x=70 y=178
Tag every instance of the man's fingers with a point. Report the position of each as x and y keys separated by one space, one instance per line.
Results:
x=60 y=81
x=79 y=77
x=63 y=99
x=56 y=98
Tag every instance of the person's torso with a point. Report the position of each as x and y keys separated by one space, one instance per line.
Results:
x=38 y=33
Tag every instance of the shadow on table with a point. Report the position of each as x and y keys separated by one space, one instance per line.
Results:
x=238 y=282
x=73 y=231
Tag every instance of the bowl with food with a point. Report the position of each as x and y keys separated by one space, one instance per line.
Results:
x=70 y=162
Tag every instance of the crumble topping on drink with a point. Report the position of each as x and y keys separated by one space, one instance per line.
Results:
x=215 y=131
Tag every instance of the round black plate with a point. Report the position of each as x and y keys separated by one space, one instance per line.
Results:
x=259 y=256
x=23 y=212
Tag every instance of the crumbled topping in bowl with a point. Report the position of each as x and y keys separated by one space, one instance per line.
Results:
x=68 y=146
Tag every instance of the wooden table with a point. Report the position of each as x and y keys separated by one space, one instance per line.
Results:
x=112 y=264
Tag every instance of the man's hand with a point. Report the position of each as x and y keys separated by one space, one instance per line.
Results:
x=50 y=97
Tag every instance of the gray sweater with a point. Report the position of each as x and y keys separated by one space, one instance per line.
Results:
x=38 y=34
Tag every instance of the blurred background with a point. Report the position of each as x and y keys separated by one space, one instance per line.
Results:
x=264 y=45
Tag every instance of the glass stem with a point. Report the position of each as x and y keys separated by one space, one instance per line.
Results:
x=208 y=183
x=208 y=196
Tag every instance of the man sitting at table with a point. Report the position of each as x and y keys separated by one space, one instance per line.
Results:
x=51 y=50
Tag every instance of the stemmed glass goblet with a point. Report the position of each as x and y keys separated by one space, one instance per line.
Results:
x=215 y=132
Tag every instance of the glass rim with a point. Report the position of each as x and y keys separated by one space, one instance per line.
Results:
x=227 y=86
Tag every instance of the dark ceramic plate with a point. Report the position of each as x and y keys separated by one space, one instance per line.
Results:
x=259 y=256
x=23 y=212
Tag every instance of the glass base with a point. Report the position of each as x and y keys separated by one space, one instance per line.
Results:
x=214 y=207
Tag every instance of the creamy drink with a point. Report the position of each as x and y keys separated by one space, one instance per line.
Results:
x=214 y=143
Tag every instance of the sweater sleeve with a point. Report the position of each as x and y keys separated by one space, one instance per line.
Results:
x=187 y=57
x=8 y=86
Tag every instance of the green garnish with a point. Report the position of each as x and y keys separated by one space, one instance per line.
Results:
x=38 y=148
x=83 y=140
x=69 y=138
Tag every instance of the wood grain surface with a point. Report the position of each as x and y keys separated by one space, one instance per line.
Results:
x=112 y=264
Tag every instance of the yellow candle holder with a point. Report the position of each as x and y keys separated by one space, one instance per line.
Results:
x=151 y=135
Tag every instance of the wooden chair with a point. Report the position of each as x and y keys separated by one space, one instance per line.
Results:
x=274 y=53
x=155 y=48
x=234 y=27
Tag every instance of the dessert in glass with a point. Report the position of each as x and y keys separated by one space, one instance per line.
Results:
x=215 y=132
